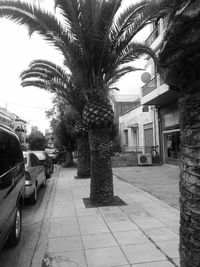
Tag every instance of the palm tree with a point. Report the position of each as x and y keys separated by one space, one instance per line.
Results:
x=49 y=76
x=180 y=64
x=96 y=40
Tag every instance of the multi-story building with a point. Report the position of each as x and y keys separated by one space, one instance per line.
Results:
x=156 y=93
x=137 y=129
x=15 y=123
x=20 y=128
x=49 y=137
x=6 y=117
x=122 y=104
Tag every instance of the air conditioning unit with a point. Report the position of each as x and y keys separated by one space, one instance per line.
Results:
x=144 y=159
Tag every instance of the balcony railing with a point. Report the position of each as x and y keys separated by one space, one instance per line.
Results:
x=152 y=37
x=149 y=87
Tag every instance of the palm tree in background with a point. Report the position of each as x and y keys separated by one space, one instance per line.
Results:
x=96 y=40
x=180 y=64
x=51 y=77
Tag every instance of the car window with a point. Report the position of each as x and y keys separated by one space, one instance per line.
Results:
x=10 y=152
x=33 y=160
x=36 y=160
x=40 y=155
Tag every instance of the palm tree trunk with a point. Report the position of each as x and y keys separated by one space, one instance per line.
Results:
x=101 y=186
x=190 y=180
x=83 y=161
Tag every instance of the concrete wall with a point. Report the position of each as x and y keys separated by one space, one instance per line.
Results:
x=134 y=122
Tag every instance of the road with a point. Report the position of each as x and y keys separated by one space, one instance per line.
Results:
x=35 y=226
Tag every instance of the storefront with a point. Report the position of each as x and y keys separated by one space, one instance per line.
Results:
x=170 y=134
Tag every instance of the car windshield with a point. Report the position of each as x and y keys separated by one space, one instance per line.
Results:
x=40 y=154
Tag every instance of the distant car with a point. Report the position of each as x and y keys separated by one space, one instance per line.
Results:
x=46 y=161
x=12 y=182
x=52 y=154
x=34 y=176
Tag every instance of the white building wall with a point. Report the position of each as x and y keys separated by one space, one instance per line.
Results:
x=134 y=122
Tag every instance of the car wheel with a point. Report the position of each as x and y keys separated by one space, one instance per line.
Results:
x=33 y=198
x=15 y=233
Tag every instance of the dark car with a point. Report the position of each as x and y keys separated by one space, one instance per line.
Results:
x=46 y=161
x=52 y=154
x=12 y=182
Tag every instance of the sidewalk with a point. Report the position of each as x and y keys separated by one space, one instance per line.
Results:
x=160 y=181
x=144 y=233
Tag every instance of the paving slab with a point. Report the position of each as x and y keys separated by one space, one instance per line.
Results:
x=142 y=233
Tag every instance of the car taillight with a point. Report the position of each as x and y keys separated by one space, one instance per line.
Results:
x=27 y=176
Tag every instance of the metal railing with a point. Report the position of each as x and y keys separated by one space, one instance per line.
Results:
x=133 y=150
x=149 y=87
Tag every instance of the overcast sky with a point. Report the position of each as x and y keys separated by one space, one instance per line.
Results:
x=17 y=50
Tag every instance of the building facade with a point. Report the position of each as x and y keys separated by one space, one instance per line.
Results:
x=122 y=104
x=138 y=130
x=155 y=93
x=49 y=137
x=15 y=123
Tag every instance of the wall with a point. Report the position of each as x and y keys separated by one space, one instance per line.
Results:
x=137 y=119
x=122 y=107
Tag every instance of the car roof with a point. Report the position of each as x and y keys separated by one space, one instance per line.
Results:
x=4 y=128
x=41 y=154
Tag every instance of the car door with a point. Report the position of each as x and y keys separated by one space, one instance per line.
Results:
x=11 y=179
x=32 y=168
x=39 y=169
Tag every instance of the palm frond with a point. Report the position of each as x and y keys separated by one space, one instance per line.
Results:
x=45 y=24
x=117 y=74
x=53 y=78
x=138 y=16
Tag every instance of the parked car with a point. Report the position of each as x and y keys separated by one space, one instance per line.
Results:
x=12 y=183
x=34 y=176
x=46 y=161
x=52 y=154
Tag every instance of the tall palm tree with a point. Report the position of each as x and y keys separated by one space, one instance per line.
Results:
x=49 y=76
x=96 y=40
x=180 y=63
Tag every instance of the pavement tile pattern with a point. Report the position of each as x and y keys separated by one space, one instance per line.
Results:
x=144 y=233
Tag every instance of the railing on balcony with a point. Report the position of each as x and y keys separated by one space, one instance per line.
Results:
x=152 y=37
x=149 y=87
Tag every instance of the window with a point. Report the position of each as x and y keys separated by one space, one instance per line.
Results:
x=10 y=152
x=34 y=160
x=126 y=137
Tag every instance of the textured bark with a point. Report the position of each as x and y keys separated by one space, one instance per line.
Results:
x=180 y=64
x=83 y=161
x=68 y=160
x=101 y=186
x=190 y=180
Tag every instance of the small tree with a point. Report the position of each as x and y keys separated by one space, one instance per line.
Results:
x=37 y=141
x=62 y=124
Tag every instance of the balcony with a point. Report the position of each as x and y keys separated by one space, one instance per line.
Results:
x=149 y=87
x=153 y=36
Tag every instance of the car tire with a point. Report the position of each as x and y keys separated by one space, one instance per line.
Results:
x=33 y=198
x=15 y=234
